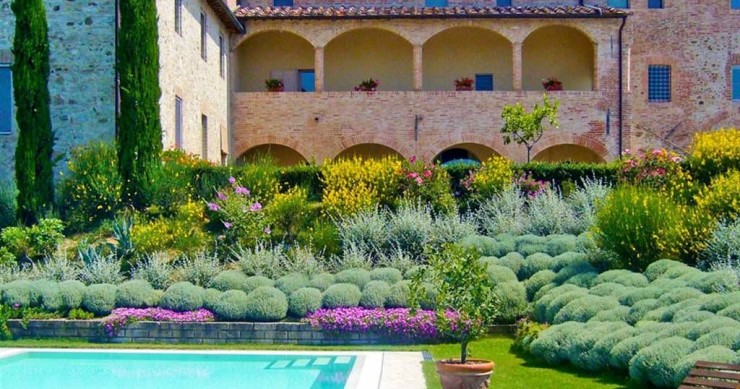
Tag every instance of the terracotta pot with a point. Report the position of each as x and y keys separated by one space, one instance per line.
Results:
x=463 y=88
x=475 y=374
x=277 y=89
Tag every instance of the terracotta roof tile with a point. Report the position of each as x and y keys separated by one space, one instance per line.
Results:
x=342 y=12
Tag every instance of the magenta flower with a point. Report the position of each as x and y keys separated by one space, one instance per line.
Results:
x=241 y=190
x=419 y=181
x=220 y=196
x=232 y=180
x=227 y=225
x=427 y=173
x=412 y=159
x=213 y=207
x=268 y=231
x=255 y=207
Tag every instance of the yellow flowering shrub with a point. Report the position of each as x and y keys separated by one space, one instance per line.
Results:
x=357 y=184
x=722 y=197
x=494 y=175
x=715 y=152
x=289 y=213
x=262 y=177
x=184 y=232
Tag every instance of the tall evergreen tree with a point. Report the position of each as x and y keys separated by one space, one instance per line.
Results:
x=139 y=130
x=33 y=154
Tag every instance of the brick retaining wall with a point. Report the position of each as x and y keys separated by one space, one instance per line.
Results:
x=200 y=333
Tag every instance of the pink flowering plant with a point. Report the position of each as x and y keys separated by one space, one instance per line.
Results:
x=531 y=187
x=400 y=323
x=466 y=304
x=658 y=169
x=239 y=214
x=426 y=183
x=120 y=317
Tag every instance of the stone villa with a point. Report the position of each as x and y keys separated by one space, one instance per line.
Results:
x=635 y=73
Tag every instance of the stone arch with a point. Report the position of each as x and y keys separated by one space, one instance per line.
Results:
x=485 y=51
x=492 y=142
x=369 y=52
x=583 y=149
x=242 y=145
x=563 y=51
x=474 y=151
x=387 y=141
x=368 y=151
x=257 y=30
x=272 y=54
x=282 y=155
x=568 y=152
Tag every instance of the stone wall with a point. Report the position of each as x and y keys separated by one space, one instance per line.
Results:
x=82 y=79
x=197 y=82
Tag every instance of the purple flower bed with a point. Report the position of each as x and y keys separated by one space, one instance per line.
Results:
x=398 y=322
x=120 y=317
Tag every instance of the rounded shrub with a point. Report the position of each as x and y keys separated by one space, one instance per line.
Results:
x=485 y=245
x=18 y=293
x=615 y=315
x=683 y=307
x=542 y=302
x=721 y=281
x=266 y=304
x=292 y=282
x=567 y=259
x=155 y=297
x=534 y=283
x=584 y=308
x=584 y=280
x=210 y=296
x=71 y=292
x=558 y=244
x=529 y=249
x=229 y=280
x=49 y=297
x=685 y=273
x=544 y=291
x=733 y=312
x=387 y=274
x=667 y=284
x=561 y=301
x=640 y=309
x=358 y=277
x=513 y=261
x=707 y=326
x=623 y=277
x=413 y=271
x=657 y=363
x=714 y=353
x=231 y=305
x=608 y=289
x=182 y=296
x=512 y=301
x=304 y=301
x=633 y=295
x=692 y=316
x=678 y=295
x=716 y=302
x=727 y=337
x=586 y=243
x=322 y=281
x=500 y=274
x=657 y=268
x=573 y=270
x=133 y=294
x=488 y=261
x=598 y=356
x=553 y=343
x=400 y=294
x=429 y=297
x=99 y=299
x=622 y=352
x=374 y=294
x=583 y=342
x=529 y=239
x=533 y=264
x=677 y=329
x=341 y=296
x=255 y=282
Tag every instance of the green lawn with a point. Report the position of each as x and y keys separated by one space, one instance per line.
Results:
x=512 y=370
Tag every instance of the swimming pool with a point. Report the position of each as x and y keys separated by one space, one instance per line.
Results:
x=83 y=369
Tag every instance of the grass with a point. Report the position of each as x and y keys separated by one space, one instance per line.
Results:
x=513 y=370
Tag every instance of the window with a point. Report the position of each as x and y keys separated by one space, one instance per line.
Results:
x=178 y=16
x=435 y=3
x=618 y=3
x=735 y=4
x=655 y=4
x=6 y=99
x=503 y=3
x=307 y=80
x=283 y=3
x=203 y=35
x=222 y=56
x=735 y=83
x=178 y=122
x=204 y=133
x=659 y=83
x=484 y=82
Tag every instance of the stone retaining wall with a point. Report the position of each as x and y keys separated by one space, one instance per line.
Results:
x=200 y=333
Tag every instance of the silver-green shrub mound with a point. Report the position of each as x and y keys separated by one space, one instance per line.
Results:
x=640 y=309
x=266 y=304
x=231 y=305
x=292 y=282
x=499 y=274
x=18 y=293
x=726 y=336
x=659 y=267
x=598 y=356
x=374 y=294
x=634 y=295
x=558 y=244
x=99 y=299
x=623 y=277
x=49 y=297
x=387 y=274
x=733 y=312
x=229 y=280
x=533 y=264
x=568 y=259
x=399 y=296
x=553 y=344
x=512 y=301
x=341 y=296
x=542 y=302
x=358 y=277
x=720 y=281
x=512 y=260
x=716 y=302
x=608 y=289
x=680 y=294
x=534 y=283
x=617 y=314
x=182 y=296
x=574 y=270
x=561 y=301
x=485 y=245
x=255 y=282
x=584 y=341
x=304 y=301
x=657 y=363
x=707 y=326
x=622 y=352
x=134 y=294
x=210 y=296
x=71 y=292
x=322 y=281
x=584 y=308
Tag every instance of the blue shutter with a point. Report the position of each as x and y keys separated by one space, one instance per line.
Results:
x=484 y=82
x=618 y=3
x=6 y=100
x=307 y=78
x=736 y=82
x=178 y=122
x=435 y=3
x=655 y=3
x=735 y=4
x=503 y=3
x=659 y=83
x=283 y=3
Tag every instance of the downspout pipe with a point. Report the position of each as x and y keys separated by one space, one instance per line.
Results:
x=621 y=86
x=117 y=78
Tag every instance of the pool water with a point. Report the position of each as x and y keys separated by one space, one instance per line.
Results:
x=110 y=370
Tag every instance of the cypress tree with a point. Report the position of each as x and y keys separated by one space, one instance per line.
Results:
x=33 y=154
x=139 y=130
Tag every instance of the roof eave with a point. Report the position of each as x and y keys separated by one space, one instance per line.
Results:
x=227 y=16
x=355 y=17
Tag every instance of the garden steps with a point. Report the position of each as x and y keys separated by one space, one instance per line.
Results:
x=712 y=375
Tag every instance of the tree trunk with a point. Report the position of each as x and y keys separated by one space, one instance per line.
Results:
x=464 y=350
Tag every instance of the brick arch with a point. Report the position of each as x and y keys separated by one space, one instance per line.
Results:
x=346 y=28
x=245 y=145
x=387 y=141
x=553 y=23
x=492 y=142
x=289 y=29
x=585 y=141
x=490 y=28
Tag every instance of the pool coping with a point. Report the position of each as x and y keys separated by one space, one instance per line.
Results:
x=367 y=372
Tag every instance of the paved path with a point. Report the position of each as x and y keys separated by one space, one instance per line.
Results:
x=402 y=370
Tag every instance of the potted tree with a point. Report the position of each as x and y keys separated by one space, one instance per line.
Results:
x=465 y=306
x=552 y=84
x=274 y=85
x=368 y=85
x=464 y=84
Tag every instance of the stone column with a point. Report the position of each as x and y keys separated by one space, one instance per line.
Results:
x=319 y=69
x=516 y=59
x=418 y=68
